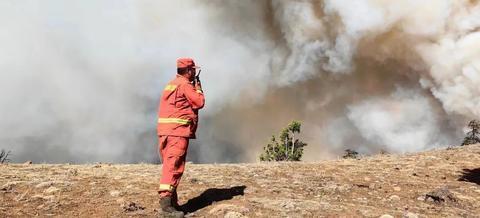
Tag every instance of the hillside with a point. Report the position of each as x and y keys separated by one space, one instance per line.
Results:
x=435 y=183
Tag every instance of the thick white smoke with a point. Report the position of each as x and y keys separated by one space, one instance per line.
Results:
x=398 y=122
x=80 y=80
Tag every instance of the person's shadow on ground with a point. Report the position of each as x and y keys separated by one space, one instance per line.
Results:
x=211 y=195
x=471 y=175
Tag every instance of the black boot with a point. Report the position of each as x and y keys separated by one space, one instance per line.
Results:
x=175 y=200
x=167 y=209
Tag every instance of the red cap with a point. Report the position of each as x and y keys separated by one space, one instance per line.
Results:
x=186 y=62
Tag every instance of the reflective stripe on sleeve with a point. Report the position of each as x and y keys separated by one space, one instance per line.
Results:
x=173 y=120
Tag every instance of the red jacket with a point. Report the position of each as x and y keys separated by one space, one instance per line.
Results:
x=178 y=110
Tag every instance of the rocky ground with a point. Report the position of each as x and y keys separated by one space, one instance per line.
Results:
x=439 y=183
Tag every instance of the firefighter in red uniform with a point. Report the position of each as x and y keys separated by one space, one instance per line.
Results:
x=181 y=100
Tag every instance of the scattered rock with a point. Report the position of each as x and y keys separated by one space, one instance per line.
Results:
x=21 y=197
x=234 y=214
x=221 y=208
x=440 y=195
x=344 y=188
x=397 y=189
x=28 y=162
x=9 y=186
x=72 y=172
x=115 y=193
x=37 y=197
x=50 y=198
x=45 y=198
x=51 y=190
x=44 y=184
x=225 y=208
x=190 y=215
x=289 y=205
x=362 y=200
x=394 y=198
x=365 y=213
x=362 y=185
x=410 y=215
x=132 y=206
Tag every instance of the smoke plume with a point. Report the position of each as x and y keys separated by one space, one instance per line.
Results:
x=80 y=80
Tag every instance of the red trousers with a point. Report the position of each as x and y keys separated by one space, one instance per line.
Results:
x=173 y=151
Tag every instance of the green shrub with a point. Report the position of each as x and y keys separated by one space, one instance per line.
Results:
x=287 y=147
x=473 y=135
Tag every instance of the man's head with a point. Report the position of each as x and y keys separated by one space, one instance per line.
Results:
x=186 y=67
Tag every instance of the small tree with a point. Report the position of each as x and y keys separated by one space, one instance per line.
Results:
x=473 y=136
x=4 y=156
x=287 y=148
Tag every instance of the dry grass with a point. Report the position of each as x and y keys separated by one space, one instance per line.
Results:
x=370 y=187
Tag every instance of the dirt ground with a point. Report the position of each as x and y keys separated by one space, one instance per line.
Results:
x=438 y=183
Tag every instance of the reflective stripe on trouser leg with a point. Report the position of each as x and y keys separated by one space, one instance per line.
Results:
x=173 y=151
x=165 y=187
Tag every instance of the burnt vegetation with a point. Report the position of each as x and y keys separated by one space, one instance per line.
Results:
x=350 y=154
x=4 y=156
x=287 y=148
